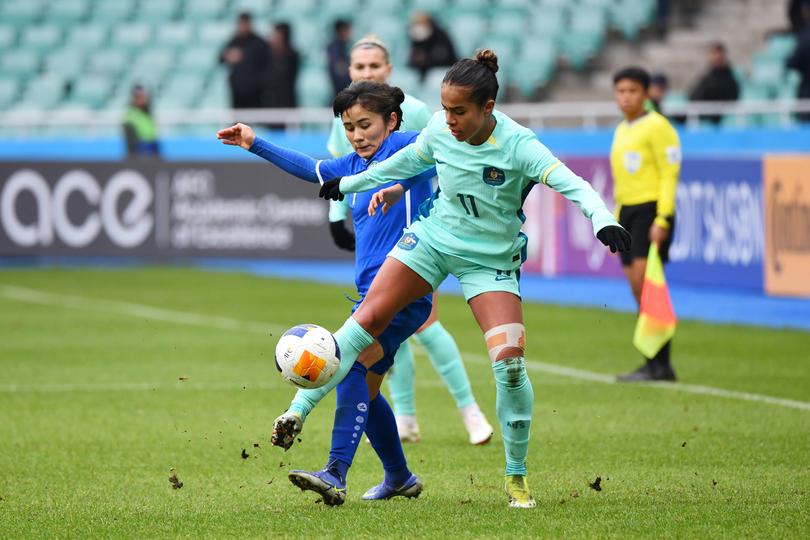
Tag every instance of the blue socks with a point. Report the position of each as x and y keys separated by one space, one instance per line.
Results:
x=351 y=414
x=401 y=383
x=446 y=359
x=382 y=432
x=514 y=404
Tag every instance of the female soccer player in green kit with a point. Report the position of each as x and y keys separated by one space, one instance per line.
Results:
x=369 y=60
x=486 y=164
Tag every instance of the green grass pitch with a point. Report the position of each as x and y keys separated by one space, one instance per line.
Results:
x=111 y=378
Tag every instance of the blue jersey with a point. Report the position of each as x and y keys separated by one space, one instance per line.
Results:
x=376 y=236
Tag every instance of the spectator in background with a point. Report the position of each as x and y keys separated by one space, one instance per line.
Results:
x=796 y=10
x=430 y=45
x=282 y=74
x=337 y=55
x=719 y=82
x=140 y=130
x=800 y=59
x=659 y=84
x=247 y=56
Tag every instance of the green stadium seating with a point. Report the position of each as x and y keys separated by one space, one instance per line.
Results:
x=175 y=34
x=66 y=62
x=153 y=63
x=67 y=12
x=548 y=23
x=258 y=8
x=112 y=13
x=215 y=33
x=200 y=10
x=45 y=91
x=9 y=89
x=509 y=26
x=216 y=95
x=8 y=36
x=767 y=73
x=405 y=78
x=433 y=7
x=310 y=39
x=19 y=13
x=198 y=60
x=468 y=6
x=384 y=7
x=314 y=88
x=466 y=31
x=91 y=91
x=91 y=36
x=19 y=62
x=41 y=38
x=110 y=62
x=340 y=9
x=132 y=36
x=157 y=11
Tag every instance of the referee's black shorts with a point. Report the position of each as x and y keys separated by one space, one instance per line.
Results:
x=637 y=219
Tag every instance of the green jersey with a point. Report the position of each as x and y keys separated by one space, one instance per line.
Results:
x=477 y=212
x=415 y=116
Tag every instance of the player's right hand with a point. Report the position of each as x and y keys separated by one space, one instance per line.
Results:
x=615 y=237
x=237 y=135
x=342 y=236
x=285 y=429
x=386 y=197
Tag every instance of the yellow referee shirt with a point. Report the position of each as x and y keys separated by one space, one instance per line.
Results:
x=645 y=159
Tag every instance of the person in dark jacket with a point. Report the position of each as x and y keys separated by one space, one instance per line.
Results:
x=719 y=82
x=800 y=60
x=281 y=76
x=247 y=56
x=430 y=45
x=337 y=56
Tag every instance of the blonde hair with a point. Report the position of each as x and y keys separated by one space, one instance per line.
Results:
x=372 y=41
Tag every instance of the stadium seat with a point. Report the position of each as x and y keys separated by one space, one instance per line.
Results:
x=112 y=13
x=41 y=38
x=9 y=89
x=175 y=34
x=111 y=62
x=405 y=78
x=386 y=7
x=469 y=6
x=132 y=36
x=66 y=62
x=216 y=95
x=466 y=31
x=44 y=91
x=157 y=11
x=550 y=23
x=202 y=10
x=433 y=7
x=21 y=13
x=91 y=91
x=91 y=36
x=153 y=63
x=215 y=33
x=767 y=73
x=509 y=26
x=339 y=9
x=310 y=39
x=67 y=12
x=8 y=36
x=431 y=87
x=198 y=60
x=20 y=62
x=258 y=8
x=314 y=89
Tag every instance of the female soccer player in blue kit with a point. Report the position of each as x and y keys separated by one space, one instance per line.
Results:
x=371 y=113
x=369 y=61
x=486 y=165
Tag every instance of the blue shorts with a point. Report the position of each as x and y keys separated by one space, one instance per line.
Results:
x=402 y=326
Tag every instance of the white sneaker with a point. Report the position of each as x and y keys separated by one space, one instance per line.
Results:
x=478 y=428
x=408 y=428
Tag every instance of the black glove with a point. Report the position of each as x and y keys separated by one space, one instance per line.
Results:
x=614 y=237
x=331 y=190
x=343 y=237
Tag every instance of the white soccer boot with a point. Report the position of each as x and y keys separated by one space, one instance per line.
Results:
x=408 y=428
x=479 y=430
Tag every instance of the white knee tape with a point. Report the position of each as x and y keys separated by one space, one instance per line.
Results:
x=504 y=336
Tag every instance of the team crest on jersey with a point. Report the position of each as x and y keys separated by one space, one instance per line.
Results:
x=494 y=176
x=408 y=241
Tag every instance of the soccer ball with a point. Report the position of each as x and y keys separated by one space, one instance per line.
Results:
x=307 y=356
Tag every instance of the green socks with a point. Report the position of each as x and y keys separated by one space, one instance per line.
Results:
x=514 y=405
x=401 y=382
x=446 y=359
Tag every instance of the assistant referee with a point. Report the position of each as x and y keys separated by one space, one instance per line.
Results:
x=645 y=159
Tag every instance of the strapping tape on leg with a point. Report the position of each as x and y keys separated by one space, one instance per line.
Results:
x=505 y=336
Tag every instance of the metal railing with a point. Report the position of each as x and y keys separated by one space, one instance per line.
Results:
x=584 y=115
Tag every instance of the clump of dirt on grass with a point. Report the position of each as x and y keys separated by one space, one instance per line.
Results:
x=245 y=455
x=174 y=481
x=596 y=485
x=255 y=445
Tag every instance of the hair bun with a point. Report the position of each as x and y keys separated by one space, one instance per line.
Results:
x=488 y=58
x=398 y=95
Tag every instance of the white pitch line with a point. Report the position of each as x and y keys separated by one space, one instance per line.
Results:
x=226 y=323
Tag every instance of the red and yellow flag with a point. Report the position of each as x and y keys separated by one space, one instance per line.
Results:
x=656 y=318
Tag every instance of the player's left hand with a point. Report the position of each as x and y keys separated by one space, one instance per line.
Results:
x=386 y=197
x=615 y=237
x=238 y=134
x=658 y=235
x=331 y=190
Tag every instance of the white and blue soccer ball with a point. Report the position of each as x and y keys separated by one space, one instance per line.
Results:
x=307 y=356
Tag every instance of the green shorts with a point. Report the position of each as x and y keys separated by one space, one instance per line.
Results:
x=414 y=251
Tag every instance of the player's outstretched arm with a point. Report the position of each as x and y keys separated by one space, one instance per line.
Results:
x=408 y=162
x=296 y=163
